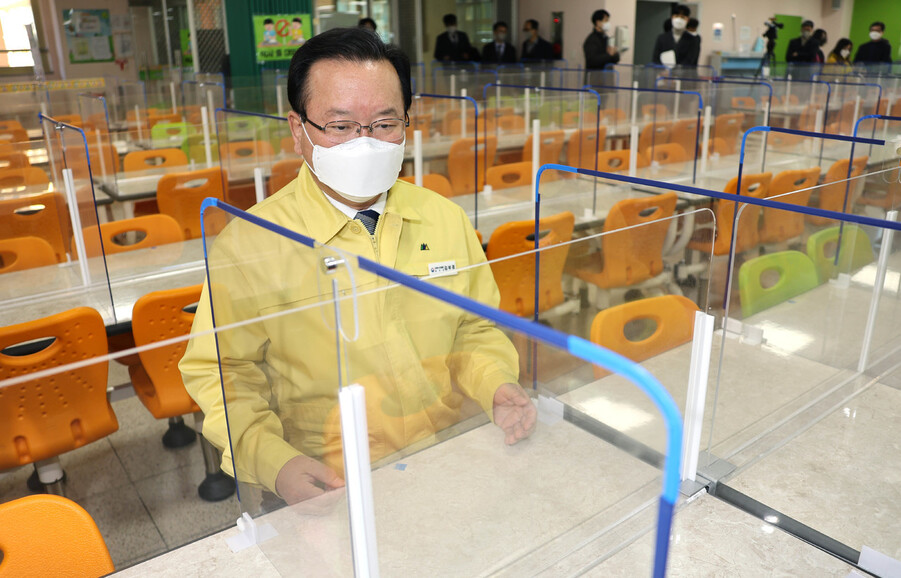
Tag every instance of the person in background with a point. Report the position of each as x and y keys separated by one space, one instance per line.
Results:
x=453 y=45
x=877 y=50
x=367 y=23
x=674 y=40
x=841 y=54
x=694 y=52
x=535 y=47
x=819 y=40
x=800 y=49
x=598 y=48
x=500 y=51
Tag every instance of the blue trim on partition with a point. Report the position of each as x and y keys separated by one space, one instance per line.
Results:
x=284 y=231
x=660 y=90
x=552 y=88
x=661 y=545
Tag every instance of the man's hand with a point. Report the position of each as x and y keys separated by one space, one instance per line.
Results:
x=611 y=50
x=514 y=412
x=300 y=479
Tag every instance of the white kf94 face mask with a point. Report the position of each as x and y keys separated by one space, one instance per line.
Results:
x=358 y=169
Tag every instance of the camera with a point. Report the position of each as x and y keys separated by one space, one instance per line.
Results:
x=773 y=24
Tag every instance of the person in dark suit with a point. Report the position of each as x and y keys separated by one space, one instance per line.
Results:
x=535 y=47
x=694 y=52
x=802 y=49
x=500 y=51
x=877 y=50
x=673 y=39
x=598 y=49
x=453 y=45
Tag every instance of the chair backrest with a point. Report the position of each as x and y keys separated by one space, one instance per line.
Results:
x=728 y=128
x=10 y=124
x=246 y=149
x=584 y=146
x=831 y=195
x=157 y=229
x=463 y=158
x=794 y=271
x=666 y=153
x=779 y=225
x=510 y=175
x=653 y=134
x=286 y=145
x=746 y=102
x=22 y=177
x=672 y=316
x=43 y=420
x=747 y=237
x=73 y=119
x=434 y=182
x=47 y=535
x=515 y=277
x=41 y=216
x=618 y=160
x=158 y=316
x=612 y=115
x=13 y=135
x=685 y=132
x=654 y=111
x=455 y=126
x=854 y=252
x=170 y=134
x=636 y=254
x=180 y=195
x=25 y=253
x=13 y=160
x=154 y=159
x=155 y=119
x=511 y=123
x=550 y=147
x=283 y=172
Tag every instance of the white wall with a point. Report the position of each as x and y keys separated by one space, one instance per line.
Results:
x=753 y=13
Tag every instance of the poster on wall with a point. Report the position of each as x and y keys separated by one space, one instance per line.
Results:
x=278 y=36
x=88 y=35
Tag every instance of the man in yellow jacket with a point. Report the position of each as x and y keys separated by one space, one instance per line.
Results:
x=418 y=359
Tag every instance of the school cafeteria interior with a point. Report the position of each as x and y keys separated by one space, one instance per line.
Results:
x=672 y=231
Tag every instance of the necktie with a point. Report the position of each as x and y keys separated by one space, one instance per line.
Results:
x=369 y=218
x=500 y=51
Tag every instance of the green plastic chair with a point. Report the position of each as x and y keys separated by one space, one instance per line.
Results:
x=855 y=251
x=796 y=271
x=170 y=134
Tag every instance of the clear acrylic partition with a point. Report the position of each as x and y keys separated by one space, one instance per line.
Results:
x=807 y=374
x=59 y=209
x=849 y=102
x=419 y=78
x=526 y=77
x=21 y=104
x=249 y=141
x=94 y=111
x=453 y=81
x=163 y=95
x=644 y=74
x=60 y=98
x=579 y=77
x=428 y=396
x=196 y=96
x=881 y=190
x=128 y=114
x=802 y=105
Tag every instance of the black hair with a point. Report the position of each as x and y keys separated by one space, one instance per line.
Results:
x=450 y=19
x=498 y=25
x=268 y=21
x=298 y=20
x=533 y=23
x=350 y=45
x=841 y=45
x=599 y=15
x=807 y=23
x=681 y=10
x=364 y=21
x=692 y=23
x=820 y=36
x=881 y=25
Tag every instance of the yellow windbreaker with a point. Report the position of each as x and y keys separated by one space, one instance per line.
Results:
x=417 y=358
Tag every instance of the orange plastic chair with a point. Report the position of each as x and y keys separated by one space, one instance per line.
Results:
x=13 y=160
x=433 y=182
x=25 y=253
x=462 y=163
x=44 y=418
x=612 y=115
x=48 y=535
x=43 y=216
x=666 y=153
x=831 y=195
x=584 y=145
x=807 y=121
x=180 y=195
x=618 y=160
x=727 y=127
x=685 y=133
x=246 y=149
x=634 y=255
x=11 y=178
x=10 y=125
x=672 y=316
x=778 y=225
x=154 y=159
x=286 y=145
x=658 y=111
x=747 y=237
x=73 y=119
x=157 y=230
x=283 y=172
x=745 y=102
x=550 y=147
x=455 y=127
x=13 y=135
x=515 y=277
x=510 y=175
x=576 y=119
x=511 y=123
x=653 y=134
x=153 y=119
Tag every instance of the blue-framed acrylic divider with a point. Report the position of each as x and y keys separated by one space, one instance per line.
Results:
x=850 y=101
x=700 y=71
x=658 y=117
x=102 y=145
x=882 y=190
x=428 y=393
x=21 y=104
x=644 y=74
x=255 y=152
x=455 y=147
x=126 y=103
x=418 y=77
x=813 y=314
x=453 y=80
x=579 y=77
x=198 y=94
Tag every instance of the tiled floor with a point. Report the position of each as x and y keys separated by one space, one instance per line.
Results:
x=142 y=495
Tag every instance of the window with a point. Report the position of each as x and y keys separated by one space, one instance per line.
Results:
x=15 y=51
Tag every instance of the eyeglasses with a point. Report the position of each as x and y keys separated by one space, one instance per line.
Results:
x=386 y=129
